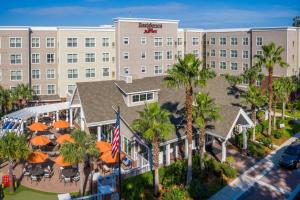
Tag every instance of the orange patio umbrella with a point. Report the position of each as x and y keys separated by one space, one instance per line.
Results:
x=37 y=157
x=61 y=162
x=107 y=157
x=61 y=124
x=103 y=146
x=40 y=140
x=37 y=126
x=66 y=137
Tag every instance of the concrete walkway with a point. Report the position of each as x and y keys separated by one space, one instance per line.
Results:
x=253 y=175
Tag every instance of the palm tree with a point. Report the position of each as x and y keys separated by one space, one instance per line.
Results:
x=256 y=99
x=22 y=94
x=13 y=147
x=188 y=73
x=270 y=57
x=155 y=126
x=278 y=96
x=204 y=110
x=5 y=100
x=83 y=149
x=253 y=74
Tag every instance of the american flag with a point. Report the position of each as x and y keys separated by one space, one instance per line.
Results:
x=116 y=138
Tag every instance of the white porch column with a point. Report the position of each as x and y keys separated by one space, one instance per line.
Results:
x=67 y=115
x=223 y=151
x=245 y=145
x=168 y=154
x=81 y=120
x=57 y=115
x=99 y=130
x=71 y=117
x=176 y=150
x=186 y=148
x=36 y=118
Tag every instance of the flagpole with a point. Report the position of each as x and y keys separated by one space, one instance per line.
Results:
x=119 y=152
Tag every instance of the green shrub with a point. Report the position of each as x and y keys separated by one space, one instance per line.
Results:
x=239 y=140
x=259 y=128
x=255 y=150
x=213 y=166
x=173 y=174
x=176 y=193
x=228 y=171
x=265 y=126
x=260 y=115
x=277 y=134
x=197 y=189
x=230 y=160
x=267 y=142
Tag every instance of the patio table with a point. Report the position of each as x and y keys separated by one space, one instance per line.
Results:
x=69 y=172
x=37 y=171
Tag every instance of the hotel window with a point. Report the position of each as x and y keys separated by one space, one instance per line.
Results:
x=126 y=40
x=125 y=55
x=212 y=52
x=223 y=65
x=126 y=70
x=15 y=75
x=169 y=66
x=72 y=73
x=158 y=42
x=179 y=40
x=196 y=53
x=169 y=55
x=50 y=73
x=51 y=89
x=222 y=41
x=195 y=41
x=169 y=41
x=143 y=55
x=246 y=81
x=105 y=42
x=90 y=73
x=105 y=71
x=245 y=66
x=90 y=57
x=50 y=57
x=142 y=97
x=158 y=69
x=234 y=41
x=234 y=66
x=143 y=69
x=35 y=58
x=15 y=59
x=35 y=74
x=72 y=58
x=222 y=53
x=233 y=53
x=212 y=40
x=35 y=42
x=36 y=90
x=71 y=88
x=245 y=41
x=105 y=57
x=213 y=64
x=71 y=42
x=50 y=42
x=258 y=83
x=15 y=42
x=143 y=40
x=245 y=54
x=90 y=42
x=0 y=74
x=259 y=41
x=179 y=54
x=157 y=55
x=259 y=52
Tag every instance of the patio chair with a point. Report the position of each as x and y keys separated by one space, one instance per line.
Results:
x=34 y=179
x=48 y=174
x=105 y=169
x=67 y=180
x=76 y=178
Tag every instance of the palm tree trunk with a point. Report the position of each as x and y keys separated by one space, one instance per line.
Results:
x=270 y=88
x=283 y=109
x=202 y=147
x=81 y=172
x=155 y=165
x=274 y=117
x=189 y=108
x=11 y=177
x=253 y=117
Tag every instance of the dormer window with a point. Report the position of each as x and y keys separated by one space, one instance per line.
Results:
x=142 y=97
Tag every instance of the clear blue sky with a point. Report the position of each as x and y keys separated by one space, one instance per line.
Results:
x=191 y=13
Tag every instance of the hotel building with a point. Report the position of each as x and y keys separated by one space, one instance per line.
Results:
x=53 y=59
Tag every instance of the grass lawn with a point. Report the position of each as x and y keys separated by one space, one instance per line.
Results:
x=23 y=193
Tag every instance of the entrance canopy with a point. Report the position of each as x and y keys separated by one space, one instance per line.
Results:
x=29 y=112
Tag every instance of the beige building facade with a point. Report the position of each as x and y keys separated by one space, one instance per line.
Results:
x=53 y=59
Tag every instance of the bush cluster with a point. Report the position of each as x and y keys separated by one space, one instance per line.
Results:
x=256 y=150
x=277 y=134
x=267 y=142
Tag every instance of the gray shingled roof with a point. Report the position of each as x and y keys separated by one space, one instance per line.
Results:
x=98 y=98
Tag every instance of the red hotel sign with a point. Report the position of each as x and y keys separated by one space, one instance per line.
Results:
x=150 y=28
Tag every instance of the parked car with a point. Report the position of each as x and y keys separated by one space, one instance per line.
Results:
x=291 y=156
